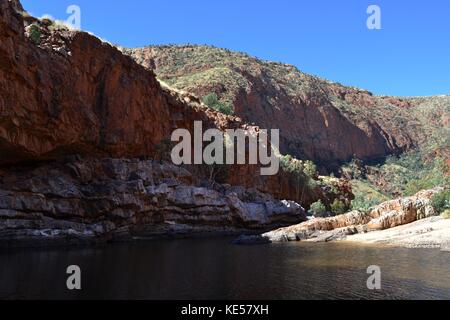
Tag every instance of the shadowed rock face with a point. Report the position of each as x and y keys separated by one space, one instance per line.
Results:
x=319 y=120
x=120 y=199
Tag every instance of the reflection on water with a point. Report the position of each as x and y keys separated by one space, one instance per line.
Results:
x=216 y=269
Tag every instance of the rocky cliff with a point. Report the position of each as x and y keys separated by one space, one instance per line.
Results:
x=65 y=92
x=91 y=200
x=319 y=120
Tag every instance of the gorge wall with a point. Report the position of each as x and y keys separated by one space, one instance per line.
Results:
x=92 y=200
x=79 y=123
x=318 y=120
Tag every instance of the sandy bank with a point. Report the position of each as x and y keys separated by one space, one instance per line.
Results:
x=432 y=232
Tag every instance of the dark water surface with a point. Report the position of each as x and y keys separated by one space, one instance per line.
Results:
x=216 y=269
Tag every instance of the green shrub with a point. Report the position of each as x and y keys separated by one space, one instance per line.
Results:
x=366 y=196
x=310 y=168
x=338 y=207
x=225 y=109
x=301 y=174
x=441 y=201
x=364 y=204
x=212 y=101
x=318 y=209
x=435 y=173
x=35 y=34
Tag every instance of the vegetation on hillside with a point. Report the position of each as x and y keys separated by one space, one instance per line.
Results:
x=366 y=195
x=212 y=101
x=441 y=201
x=303 y=170
x=203 y=69
x=338 y=207
x=318 y=210
x=398 y=176
x=304 y=178
x=35 y=34
x=302 y=174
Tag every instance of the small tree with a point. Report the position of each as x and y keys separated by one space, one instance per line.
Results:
x=441 y=201
x=35 y=34
x=225 y=109
x=318 y=209
x=310 y=168
x=338 y=207
x=212 y=101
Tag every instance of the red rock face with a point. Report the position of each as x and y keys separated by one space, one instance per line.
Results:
x=318 y=120
x=83 y=97
x=312 y=128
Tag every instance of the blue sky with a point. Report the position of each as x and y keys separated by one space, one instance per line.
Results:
x=328 y=38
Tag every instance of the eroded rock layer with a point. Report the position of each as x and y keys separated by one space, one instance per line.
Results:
x=387 y=215
x=98 y=200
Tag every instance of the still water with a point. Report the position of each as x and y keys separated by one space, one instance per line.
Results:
x=216 y=269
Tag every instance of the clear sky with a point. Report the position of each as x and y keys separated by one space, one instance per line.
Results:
x=410 y=55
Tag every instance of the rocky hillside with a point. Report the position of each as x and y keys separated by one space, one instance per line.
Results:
x=319 y=120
